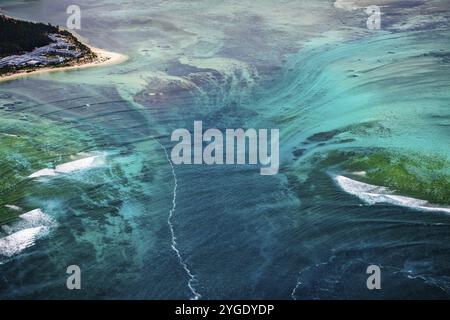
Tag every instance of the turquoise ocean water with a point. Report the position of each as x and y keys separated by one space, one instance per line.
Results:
x=141 y=228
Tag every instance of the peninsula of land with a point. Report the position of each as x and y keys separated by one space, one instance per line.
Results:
x=29 y=48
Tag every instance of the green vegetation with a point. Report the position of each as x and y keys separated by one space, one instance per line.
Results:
x=18 y=36
x=26 y=146
x=411 y=174
x=87 y=52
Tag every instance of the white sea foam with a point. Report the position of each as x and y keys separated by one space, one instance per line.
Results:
x=20 y=240
x=345 y=5
x=36 y=218
x=76 y=165
x=192 y=278
x=23 y=233
x=43 y=173
x=374 y=194
x=72 y=166
x=13 y=207
x=360 y=173
x=10 y=135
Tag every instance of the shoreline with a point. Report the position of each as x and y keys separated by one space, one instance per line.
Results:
x=104 y=58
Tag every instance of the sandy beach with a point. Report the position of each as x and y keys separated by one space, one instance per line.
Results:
x=104 y=58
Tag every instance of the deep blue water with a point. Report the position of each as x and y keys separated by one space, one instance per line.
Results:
x=238 y=235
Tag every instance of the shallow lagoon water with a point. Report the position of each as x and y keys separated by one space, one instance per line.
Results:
x=322 y=78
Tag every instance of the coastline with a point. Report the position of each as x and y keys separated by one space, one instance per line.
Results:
x=104 y=58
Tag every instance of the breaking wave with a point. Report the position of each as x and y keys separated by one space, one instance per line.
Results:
x=23 y=233
x=372 y=194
